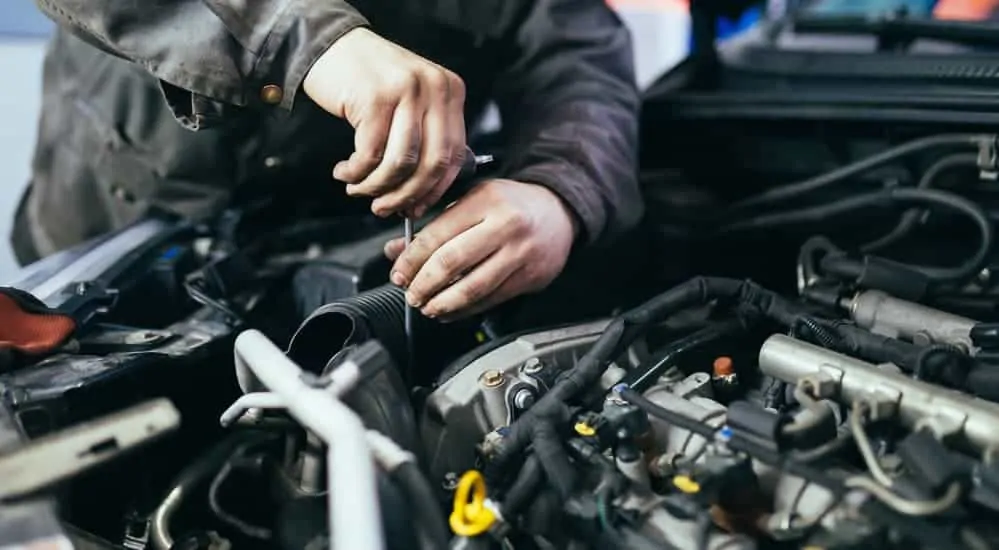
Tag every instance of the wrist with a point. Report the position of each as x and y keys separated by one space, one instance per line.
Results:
x=562 y=209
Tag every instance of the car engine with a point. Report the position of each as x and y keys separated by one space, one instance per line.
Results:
x=832 y=382
x=852 y=411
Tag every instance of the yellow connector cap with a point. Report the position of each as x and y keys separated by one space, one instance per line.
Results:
x=471 y=517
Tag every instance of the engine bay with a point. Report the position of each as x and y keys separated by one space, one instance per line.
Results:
x=832 y=384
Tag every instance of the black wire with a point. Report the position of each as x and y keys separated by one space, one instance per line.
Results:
x=910 y=219
x=423 y=502
x=784 y=192
x=682 y=421
x=704 y=525
x=524 y=488
x=891 y=197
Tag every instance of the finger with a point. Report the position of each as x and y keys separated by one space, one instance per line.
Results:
x=456 y=129
x=443 y=148
x=394 y=247
x=509 y=289
x=452 y=260
x=370 y=138
x=446 y=227
x=434 y=195
x=476 y=289
x=402 y=155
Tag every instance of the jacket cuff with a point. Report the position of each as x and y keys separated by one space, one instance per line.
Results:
x=564 y=179
x=301 y=33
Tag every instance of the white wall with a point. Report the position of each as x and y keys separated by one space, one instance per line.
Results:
x=20 y=65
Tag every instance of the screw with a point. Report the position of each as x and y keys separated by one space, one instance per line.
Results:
x=450 y=481
x=492 y=378
x=533 y=366
x=523 y=399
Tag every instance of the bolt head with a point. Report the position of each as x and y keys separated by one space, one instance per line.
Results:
x=492 y=378
x=523 y=399
x=533 y=365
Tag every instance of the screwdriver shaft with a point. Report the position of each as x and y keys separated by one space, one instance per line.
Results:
x=468 y=170
x=408 y=230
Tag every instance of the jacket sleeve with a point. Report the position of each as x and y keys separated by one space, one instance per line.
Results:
x=213 y=56
x=569 y=105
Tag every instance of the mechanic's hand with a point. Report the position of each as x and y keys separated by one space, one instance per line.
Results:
x=504 y=238
x=408 y=116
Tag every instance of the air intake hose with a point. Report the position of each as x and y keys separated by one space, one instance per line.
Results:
x=333 y=330
x=378 y=314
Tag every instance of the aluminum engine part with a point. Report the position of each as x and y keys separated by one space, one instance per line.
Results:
x=691 y=398
x=795 y=500
x=886 y=315
x=970 y=420
x=491 y=390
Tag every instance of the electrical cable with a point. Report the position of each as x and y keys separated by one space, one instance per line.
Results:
x=784 y=192
x=704 y=525
x=891 y=197
x=910 y=218
x=430 y=521
x=523 y=488
x=679 y=420
x=618 y=335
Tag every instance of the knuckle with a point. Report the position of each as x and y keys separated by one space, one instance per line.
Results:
x=448 y=262
x=423 y=244
x=518 y=222
x=370 y=158
x=406 y=161
x=456 y=86
x=440 y=164
x=436 y=80
x=405 y=83
x=471 y=291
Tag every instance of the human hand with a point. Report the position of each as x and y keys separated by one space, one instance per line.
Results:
x=503 y=239
x=408 y=117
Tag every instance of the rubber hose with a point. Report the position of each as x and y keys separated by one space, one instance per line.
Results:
x=555 y=461
x=378 y=313
x=382 y=401
x=524 y=488
x=424 y=505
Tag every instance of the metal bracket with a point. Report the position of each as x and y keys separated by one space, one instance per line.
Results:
x=62 y=455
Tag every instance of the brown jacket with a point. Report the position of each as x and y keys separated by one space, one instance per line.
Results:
x=119 y=77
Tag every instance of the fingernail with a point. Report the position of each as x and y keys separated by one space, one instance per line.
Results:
x=420 y=211
x=412 y=300
x=398 y=279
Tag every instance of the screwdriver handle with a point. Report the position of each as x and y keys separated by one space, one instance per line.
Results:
x=465 y=179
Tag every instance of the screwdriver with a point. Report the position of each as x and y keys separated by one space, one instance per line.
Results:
x=462 y=183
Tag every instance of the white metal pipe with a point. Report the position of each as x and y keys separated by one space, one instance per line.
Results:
x=258 y=400
x=354 y=514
